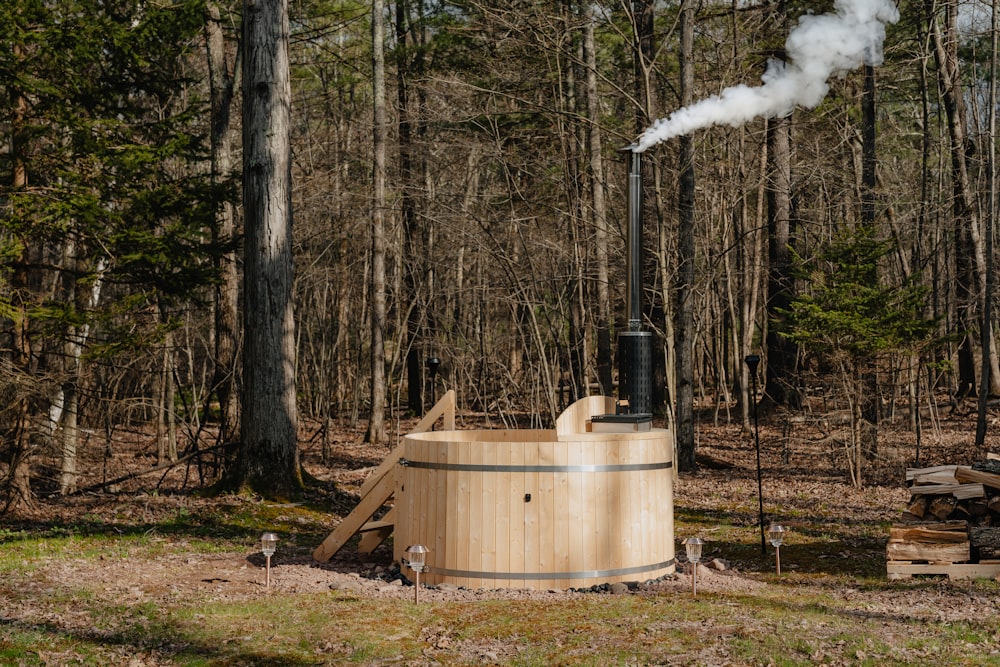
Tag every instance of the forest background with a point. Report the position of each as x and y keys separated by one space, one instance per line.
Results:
x=459 y=208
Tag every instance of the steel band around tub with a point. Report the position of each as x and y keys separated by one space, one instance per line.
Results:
x=481 y=467
x=535 y=576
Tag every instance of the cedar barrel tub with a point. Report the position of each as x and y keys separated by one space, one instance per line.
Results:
x=538 y=509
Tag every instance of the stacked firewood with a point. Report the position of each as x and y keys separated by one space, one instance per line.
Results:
x=953 y=516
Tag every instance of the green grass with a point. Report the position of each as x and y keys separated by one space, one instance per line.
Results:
x=831 y=605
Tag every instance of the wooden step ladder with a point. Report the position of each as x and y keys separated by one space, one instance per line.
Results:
x=377 y=490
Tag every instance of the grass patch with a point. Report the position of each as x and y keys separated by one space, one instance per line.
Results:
x=831 y=605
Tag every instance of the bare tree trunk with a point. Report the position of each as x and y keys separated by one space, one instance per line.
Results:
x=222 y=80
x=870 y=408
x=991 y=209
x=166 y=418
x=780 y=386
x=600 y=213
x=412 y=256
x=376 y=422
x=268 y=460
x=76 y=340
x=18 y=494
x=686 y=260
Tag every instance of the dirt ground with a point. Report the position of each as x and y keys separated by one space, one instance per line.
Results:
x=803 y=465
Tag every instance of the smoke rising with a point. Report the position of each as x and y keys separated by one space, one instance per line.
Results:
x=818 y=47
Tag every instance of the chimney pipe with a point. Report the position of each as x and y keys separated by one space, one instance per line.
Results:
x=633 y=240
x=634 y=411
x=635 y=346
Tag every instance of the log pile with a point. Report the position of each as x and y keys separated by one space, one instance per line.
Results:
x=951 y=525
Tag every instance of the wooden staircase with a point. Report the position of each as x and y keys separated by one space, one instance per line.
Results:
x=379 y=489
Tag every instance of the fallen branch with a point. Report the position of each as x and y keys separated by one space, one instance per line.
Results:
x=148 y=471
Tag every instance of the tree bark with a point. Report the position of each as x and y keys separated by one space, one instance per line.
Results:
x=779 y=385
x=376 y=422
x=412 y=256
x=268 y=460
x=684 y=312
x=870 y=411
x=599 y=211
x=17 y=486
x=222 y=81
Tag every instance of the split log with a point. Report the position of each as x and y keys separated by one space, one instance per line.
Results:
x=977 y=507
x=963 y=474
x=993 y=505
x=926 y=535
x=942 y=506
x=985 y=542
x=954 y=525
x=913 y=473
x=959 y=552
x=959 y=491
x=935 y=475
x=917 y=506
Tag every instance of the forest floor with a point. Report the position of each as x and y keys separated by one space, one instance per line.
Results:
x=836 y=539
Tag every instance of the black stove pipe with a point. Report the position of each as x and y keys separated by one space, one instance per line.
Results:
x=633 y=241
x=635 y=346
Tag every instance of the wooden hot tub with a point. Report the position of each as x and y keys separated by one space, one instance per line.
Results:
x=537 y=509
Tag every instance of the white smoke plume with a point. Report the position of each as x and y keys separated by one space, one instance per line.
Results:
x=818 y=47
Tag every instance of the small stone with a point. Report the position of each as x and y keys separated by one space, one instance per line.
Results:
x=718 y=564
x=446 y=586
x=619 y=588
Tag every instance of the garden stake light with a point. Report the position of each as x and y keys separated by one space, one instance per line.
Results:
x=693 y=546
x=776 y=535
x=268 y=542
x=417 y=556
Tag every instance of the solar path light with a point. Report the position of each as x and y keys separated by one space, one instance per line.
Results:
x=693 y=546
x=776 y=535
x=416 y=557
x=268 y=542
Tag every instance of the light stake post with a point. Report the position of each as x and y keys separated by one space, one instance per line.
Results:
x=693 y=547
x=776 y=535
x=416 y=558
x=752 y=361
x=268 y=543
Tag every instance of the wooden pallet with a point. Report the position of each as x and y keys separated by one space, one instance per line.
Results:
x=907 y=569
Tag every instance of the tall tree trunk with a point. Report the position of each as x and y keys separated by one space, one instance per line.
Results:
x=222 y=81
x=686 y=259
x=86 y=300
x=869 y=375
x=412 y=256
x=779 y=385
x=166 y=418
x=376 y=422
x=991 y=210
x=17 y=486
x=268 y=460
x=599 y=209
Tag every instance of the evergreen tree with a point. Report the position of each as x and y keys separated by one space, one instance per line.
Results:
x=106 y=202
x=852 y=323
